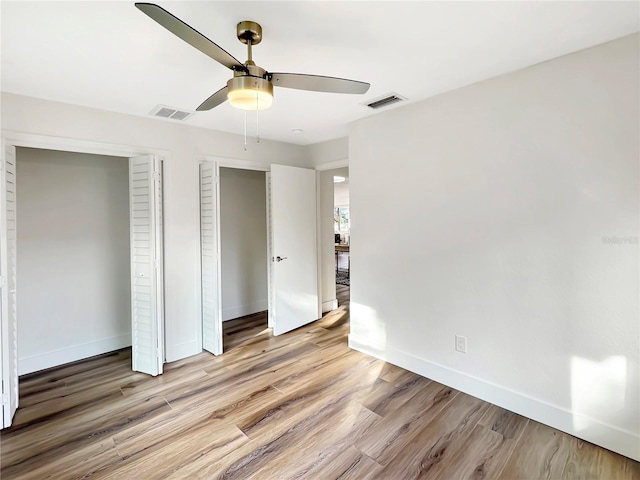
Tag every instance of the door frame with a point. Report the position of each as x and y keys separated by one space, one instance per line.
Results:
x=221 y=162
x=20 y=139
x=321 y=242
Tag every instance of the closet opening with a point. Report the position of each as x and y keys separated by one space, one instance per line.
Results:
x=81 y=258
x=73 y=257
x=234 y=255
x=243 y=256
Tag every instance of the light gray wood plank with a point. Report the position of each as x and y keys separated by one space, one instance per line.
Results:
x=301 y=405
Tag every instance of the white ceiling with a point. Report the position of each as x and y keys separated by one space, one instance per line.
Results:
x=111 y=56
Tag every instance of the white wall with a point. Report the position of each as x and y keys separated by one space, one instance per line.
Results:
x=329 y=154
x=182 y=146
x=341 y=194
x=341 y=190
x=518 y=199
x=73 y=257
x=243 y=242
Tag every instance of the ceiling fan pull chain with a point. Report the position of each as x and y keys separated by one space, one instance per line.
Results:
x=257 y=122
x=245 y=130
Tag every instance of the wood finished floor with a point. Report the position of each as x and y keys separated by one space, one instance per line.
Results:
x=301 y=405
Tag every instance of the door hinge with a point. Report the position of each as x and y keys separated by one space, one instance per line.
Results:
x=3 y=281
x=156 y=264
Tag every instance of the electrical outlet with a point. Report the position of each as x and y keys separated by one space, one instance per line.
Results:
x=461 y=344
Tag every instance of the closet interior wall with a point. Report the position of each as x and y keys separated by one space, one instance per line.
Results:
x=73 y=258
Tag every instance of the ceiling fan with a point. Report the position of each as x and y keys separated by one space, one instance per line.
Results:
x=251 y=87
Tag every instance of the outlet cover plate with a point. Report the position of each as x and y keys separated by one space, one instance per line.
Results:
x=461 y=344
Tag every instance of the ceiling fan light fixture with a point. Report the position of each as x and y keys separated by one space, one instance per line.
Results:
x=251 y=87
x=250 y=93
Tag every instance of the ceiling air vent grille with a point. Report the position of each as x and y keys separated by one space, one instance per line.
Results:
x=385 y=101
x=163 y=111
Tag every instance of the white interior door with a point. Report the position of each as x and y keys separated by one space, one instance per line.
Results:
x=9 y=320
x=294 y=267
x=147 y=299
x=209 y=258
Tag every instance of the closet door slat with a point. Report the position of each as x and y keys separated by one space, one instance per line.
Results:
x=211 y=325
x=147 y=302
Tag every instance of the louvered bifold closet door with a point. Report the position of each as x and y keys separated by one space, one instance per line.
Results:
x=147 y=304
x=9 y=320
x=209 y=255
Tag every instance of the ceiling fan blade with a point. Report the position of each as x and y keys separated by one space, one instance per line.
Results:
x=214 y=100
x=190 y=35
x=317 y=83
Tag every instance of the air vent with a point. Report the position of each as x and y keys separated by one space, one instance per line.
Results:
x=385 y=101
x=169 y=112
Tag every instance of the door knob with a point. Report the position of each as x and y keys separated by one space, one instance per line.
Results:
x=279 y=258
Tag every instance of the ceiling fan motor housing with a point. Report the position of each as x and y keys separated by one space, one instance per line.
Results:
x=250 y=91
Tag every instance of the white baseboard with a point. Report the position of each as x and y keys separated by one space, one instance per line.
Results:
x=329 y=305
x=242 y=310
x=624 y=442
x=71 y=354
